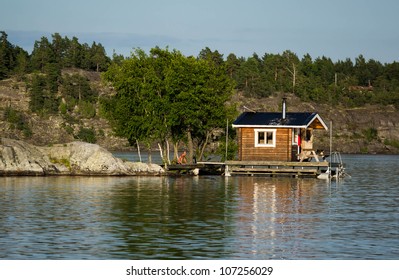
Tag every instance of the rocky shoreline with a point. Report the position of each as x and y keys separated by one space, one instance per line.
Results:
x=18 y=158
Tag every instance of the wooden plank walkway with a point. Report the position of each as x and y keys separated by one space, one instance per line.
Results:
x=213 y=168
x=278 y=163
x=275 y=168
x=267 y=168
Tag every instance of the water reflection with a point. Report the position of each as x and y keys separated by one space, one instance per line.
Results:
x=201 y=217
x=281 y=212
x=181 y=217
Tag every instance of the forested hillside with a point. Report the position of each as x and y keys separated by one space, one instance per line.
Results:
x=320 y=79
x=59 y=85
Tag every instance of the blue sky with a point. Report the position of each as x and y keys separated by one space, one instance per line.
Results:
x=338 y=29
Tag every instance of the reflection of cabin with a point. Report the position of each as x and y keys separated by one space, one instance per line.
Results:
x=277 y=136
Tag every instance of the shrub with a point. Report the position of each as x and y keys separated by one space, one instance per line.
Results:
x=87 y=110
x=17 y=121
x=87 y=135
x=393 y=143
x=69 y=129
x=370 y=134
x=62 y=161
x=63 y=108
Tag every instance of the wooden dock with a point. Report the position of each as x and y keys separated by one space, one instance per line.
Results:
x=199 y=168
x=251 y=168
x=275 y=168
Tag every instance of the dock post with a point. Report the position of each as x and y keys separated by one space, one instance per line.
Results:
x=226 y=171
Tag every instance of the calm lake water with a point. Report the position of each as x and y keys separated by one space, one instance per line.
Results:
x=208 y=217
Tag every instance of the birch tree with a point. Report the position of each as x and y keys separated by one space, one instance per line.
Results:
x=165 y=95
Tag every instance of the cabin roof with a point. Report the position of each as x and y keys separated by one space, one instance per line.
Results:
x=292 y=120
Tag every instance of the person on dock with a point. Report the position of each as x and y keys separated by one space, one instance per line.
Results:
x=182 y=158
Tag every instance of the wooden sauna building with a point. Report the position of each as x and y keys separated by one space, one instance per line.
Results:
x=281 y=142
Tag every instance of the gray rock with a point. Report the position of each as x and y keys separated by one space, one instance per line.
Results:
x=76 y=158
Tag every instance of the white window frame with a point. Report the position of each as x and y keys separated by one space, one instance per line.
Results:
x=272 y=145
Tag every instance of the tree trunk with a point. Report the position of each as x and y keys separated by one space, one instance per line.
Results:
x=176 y=150
x=190 y=147
x=293 y=73
x=167 y=151
x=149 y=154
x=293 y=78
x=138 y=149
x=161 y=153
x=208 y=134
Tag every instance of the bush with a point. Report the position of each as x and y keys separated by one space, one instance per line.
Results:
x=63 y=108
x=393 y=143
x=17 y=121
x=87 y=110
x=370 y=134
x=231 y=150
x=69 y=129
x=87 y=135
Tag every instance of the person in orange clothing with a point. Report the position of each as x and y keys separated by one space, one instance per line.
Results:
x=182 y=158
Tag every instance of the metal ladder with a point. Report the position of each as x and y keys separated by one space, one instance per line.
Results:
x=337 y=164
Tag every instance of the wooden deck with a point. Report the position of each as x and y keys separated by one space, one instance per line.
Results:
x=261 y=168
x=275 y=168
x=203 y=168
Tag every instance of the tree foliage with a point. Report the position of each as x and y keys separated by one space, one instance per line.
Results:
x=13 y=59
x=42 y=99
x=164 y=95
x=61 y=52
x=350 y=83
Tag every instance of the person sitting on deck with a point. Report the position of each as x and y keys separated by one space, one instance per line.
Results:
x=182 y=158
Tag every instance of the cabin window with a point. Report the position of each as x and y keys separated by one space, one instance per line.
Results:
x=265 y=138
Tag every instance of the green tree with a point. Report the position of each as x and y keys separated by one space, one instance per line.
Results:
x=22 y=63
x=42 y=54
x=167 y=95
x=73 y=55
x=214 y=56
x=7 y=56
x=232 y=65
x=37 y=93
x=250 y=79
x=76 y=90
x=133 y=110
x=59 y=46
x=85 y=61
x=362 y=73
x=42 y=100
x=77 y=87
x=99 y=58
x=117 y=58
x=53 y=75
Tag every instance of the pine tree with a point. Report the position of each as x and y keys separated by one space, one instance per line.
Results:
x=42 y=54
x=22 y=63
x=99 y=58
x=6 y=56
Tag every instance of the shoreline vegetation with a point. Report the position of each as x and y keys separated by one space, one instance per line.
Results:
x=67 y=91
